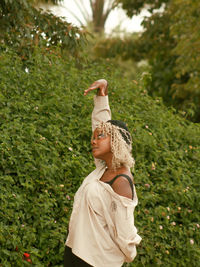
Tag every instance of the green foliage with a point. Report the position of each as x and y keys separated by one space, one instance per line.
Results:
x=170 y=44
x=171 y=41
x=24 y=27
x=45 y=155
x=157 y=45
x=36 y=2
x=126 y=47
x=185 y=29
x=134 y=7
x=124 y=51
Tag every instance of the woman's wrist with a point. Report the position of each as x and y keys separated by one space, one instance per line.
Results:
x=103 y=90
x=100 y=94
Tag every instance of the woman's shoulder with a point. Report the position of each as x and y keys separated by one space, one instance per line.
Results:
x=125 y=170
x=124 y=174
x=123 y=183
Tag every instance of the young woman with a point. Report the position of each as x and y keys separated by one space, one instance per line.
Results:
x=101 y=228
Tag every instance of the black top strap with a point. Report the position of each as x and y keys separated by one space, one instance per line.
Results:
x=127 y=177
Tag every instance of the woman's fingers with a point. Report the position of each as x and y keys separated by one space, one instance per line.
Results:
x=89 y=89
x=92 y=87
x=99 y=84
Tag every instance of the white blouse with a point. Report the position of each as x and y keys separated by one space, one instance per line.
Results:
x=101 y=227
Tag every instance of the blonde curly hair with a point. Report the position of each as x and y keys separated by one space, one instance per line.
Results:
x=121 y=142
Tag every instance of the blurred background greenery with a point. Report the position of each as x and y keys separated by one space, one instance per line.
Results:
x=154 y=80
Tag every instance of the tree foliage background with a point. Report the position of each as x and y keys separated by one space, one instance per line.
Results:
x=23 y=27
x=170 y=44
x=45 y=136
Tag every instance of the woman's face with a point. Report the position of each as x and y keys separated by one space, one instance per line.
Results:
x=101 y=147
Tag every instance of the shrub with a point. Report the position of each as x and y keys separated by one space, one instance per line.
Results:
x=45 y=155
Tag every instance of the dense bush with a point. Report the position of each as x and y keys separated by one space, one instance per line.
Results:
x=45 y=155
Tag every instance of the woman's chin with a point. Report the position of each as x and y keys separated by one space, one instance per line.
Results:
x=95 y=155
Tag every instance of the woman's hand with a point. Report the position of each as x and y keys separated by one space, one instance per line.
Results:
x=101 y=85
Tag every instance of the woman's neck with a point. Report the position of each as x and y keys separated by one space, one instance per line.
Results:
x=116 y=170
x=109 y=163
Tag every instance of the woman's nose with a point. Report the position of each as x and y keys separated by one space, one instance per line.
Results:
x=93 y=141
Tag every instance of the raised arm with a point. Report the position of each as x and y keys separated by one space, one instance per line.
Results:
x=101 y=111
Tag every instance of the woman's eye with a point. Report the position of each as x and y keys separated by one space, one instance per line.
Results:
x=101 y=135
